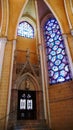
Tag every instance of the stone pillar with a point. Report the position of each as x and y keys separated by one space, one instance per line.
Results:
x=5 y=81
x=68 y=53
x=2 y=48
x=10 y=81
x=46 y=81
x=43 y=81
x=43 y=72
x=41 y=59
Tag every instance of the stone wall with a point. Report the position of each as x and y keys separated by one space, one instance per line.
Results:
x=61 y=106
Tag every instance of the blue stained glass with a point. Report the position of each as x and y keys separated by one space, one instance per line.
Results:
x=68 y=77
x=57 y=62
x=51 y=73
x=60 y=56
x=49 y=50
x=58 y=32
x=51 y=40
x=47 y=37
x=50 y=33
x=63 y=52
x=53 y=59
x=53 y=53
x=58 y=67
x=61 y=66
x=55 y=47
x=53 y=35
x=60 y=38
x=52 y=20
x=63 y=73
x=56 y=74
x=57 y=26
x=66 y=68
x=51 y=45
x=25 y=30
x=51 y=24
x=61 y=79
x=49 y=29
x=62 y=46
x=55 y=68
x=50 y=57
x=47 y=43
x=59 y=50
x=54 y=30
x=64 y=60
x=57 y=42
x=51 y=64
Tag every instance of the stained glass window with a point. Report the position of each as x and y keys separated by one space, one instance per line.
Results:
x=25 y=30
x=57 y=60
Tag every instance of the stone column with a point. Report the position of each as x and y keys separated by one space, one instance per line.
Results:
x=41 y=59
x=68 y=52
x=46 y=77
x=10 y=81
x=43 y=81
x=2 y=48
x=43 y=72
x=5 y=81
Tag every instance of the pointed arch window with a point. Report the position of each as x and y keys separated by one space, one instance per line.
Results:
x=57 y=60
x=25 y=29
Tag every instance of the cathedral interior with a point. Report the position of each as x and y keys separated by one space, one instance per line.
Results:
x=36 y=64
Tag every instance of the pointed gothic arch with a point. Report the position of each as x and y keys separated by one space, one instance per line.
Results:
x=44 y=21
x=31 y=78
x=4 y=17
x=55 y=15
x=20 y=17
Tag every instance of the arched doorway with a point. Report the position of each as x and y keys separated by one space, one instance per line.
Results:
x=26 y=100
x=28 y=84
